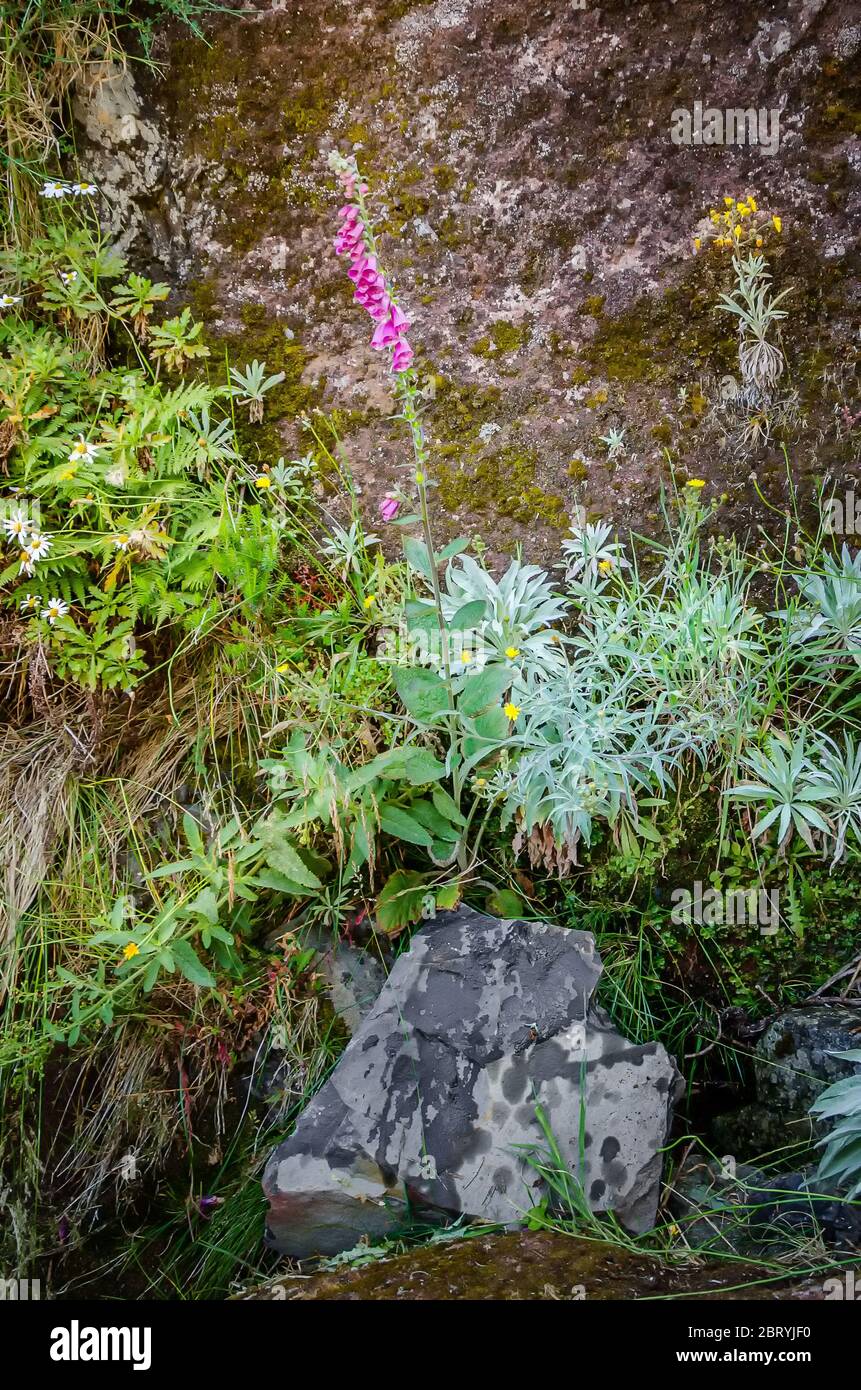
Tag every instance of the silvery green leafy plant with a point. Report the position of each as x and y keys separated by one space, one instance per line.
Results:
x=789 y=786
x=347 y=548
x=213 y=439
x=292 y=478
x=760 y=360
x=614 y=442
x=590 y=552
x=841 y=1158
x=840 y=769
x=587 y=751
x=518 y=614
x=662 y=675
x=250 y=385
x=833 y=599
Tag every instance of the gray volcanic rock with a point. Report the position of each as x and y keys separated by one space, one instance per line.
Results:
x=793 y=1061
x=432 y=1107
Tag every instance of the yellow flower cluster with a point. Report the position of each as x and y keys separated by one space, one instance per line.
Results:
x=742 y=221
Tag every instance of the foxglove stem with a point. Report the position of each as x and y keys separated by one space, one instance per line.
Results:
x=356 y=239
x=409 y=400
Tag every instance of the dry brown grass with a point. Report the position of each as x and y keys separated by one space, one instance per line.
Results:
x=46 y=46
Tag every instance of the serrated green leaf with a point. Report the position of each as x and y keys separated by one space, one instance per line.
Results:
x=283 y=857
x=190 y=964
x=400 y=901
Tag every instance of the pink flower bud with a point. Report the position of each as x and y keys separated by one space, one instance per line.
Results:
x=389 y=507
x=402 y=356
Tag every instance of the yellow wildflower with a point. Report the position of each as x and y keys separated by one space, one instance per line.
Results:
x=131 y=951
x=466 y=658
x=697 y=243
x=751 y=202
x=511 y=711
x=605 y=566
x=285 y=666
x=759 y=241
x=737 y=232
x=370 y=600
x=777 y=223
x=696 y=483
x=728 y=203
x=512 y=652
x=262 y=481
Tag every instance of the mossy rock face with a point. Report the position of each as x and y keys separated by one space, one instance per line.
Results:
x=532 y=1265
x=538 y=222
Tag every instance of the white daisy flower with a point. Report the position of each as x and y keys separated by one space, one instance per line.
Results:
x=122 y=541
x=26 y=563
x=83 y=451
x=38 y=547
x=17 y=526
x=28 y=602
x=84 y=189
x=56 y=609
x=7 y=300
x=68 y=277
x=54 y=190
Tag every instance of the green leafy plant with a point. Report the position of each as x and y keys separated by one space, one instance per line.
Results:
x=136 y=300
x=175 y=342
x=250 y=387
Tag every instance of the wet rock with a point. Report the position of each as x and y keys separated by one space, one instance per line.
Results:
x=793 y=1065
x=757 y=1129
x=722 y=1206
x=799 y=1204
x=433 y=1106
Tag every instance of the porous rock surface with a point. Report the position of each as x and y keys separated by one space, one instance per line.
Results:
x=794 y=1057
x=538 y=219
x=433 y=1105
